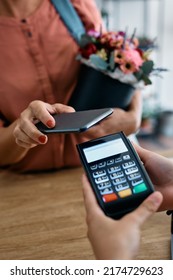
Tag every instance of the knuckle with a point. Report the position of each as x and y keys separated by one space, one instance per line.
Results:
x=19 y=143
x=34 y=103
x=35 y=107
x=15 y=135
x=15 y=132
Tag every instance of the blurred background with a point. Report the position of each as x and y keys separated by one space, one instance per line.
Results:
x=153 y=22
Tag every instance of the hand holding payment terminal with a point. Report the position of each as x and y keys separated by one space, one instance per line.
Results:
x=116 y=174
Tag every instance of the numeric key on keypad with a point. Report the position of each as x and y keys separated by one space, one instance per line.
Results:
x=106 y=191
x=101 y=179
x=131 y=170
x=116 y=175
x=114 y=169
x=121 y=187
x=119 y=181
x=134 y=176
x=104 y=185
x=137 y=181
x=97 y=174
x=128 y=164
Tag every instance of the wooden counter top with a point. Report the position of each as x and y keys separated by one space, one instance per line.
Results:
x=42 y=216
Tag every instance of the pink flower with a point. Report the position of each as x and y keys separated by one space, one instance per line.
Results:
x=129 y=60
x=128 y=67
x=119 y=56
x=133 y=57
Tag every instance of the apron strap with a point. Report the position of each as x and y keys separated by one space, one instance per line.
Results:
x=70 y=18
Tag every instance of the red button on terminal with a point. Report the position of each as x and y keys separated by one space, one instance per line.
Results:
x=109 y=197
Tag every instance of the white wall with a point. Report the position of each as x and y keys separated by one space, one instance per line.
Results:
x=167 y=55
x=153 y=18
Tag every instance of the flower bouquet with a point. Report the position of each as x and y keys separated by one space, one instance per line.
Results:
x=113 y=66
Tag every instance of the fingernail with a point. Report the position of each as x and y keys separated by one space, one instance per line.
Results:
x=42 y=139
x=49 y=123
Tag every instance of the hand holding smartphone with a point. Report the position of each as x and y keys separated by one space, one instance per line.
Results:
x=75 y=122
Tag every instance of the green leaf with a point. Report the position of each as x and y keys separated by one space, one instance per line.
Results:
x=112 y=62
x=99 y=62
x=146 y=80
x=147 y=67
x=138 y=75
x=86 y=39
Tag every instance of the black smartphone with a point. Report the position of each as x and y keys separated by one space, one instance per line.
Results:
x=76 y=121
x=116 y=173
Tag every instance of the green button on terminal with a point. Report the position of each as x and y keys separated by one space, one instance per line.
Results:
x=140 y=188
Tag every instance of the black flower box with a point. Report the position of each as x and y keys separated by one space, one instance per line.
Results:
x=95 y=90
